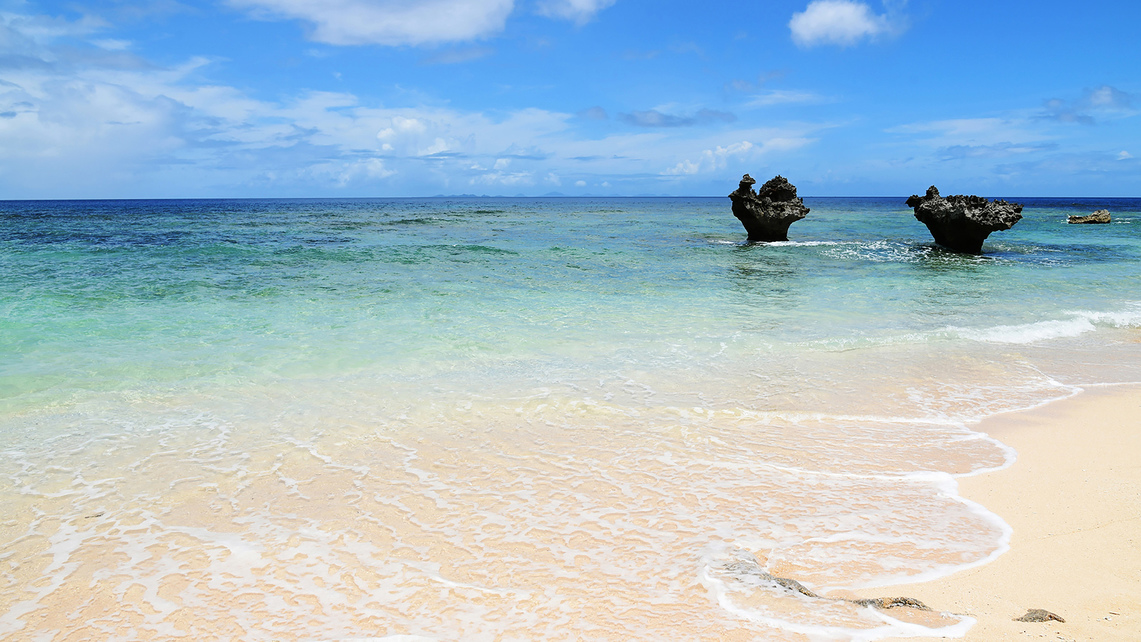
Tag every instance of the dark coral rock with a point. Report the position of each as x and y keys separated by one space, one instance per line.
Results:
x=962 y=223
x=767 y=214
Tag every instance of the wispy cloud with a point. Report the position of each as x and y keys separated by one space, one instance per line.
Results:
x=655 y=118
x=578 y=11
x=409 y=22
x=593 y=113
x=458 y=56
x=972 y=132
x=998 y=150
x=784 y=97
x=388 y=22
x=111 y=44
x=741 y=84
x=1096 y=103
x=842 y=22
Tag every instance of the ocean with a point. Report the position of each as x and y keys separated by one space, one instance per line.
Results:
x=520 y=418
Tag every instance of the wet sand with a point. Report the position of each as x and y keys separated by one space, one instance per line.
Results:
x=1073 y=499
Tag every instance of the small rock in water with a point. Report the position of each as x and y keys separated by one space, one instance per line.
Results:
x=1098 y=217
x=892 y=603
x=962 y=223
x=767 y=214
x=746 y=564
x=1039 y=615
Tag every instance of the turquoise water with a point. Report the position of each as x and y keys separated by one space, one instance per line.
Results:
x=442 y=373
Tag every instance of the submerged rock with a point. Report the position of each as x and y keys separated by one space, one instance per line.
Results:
x=767 y=214
x=745 y=564
x=1039 y=615
x=962 y=223
x=1100 y=216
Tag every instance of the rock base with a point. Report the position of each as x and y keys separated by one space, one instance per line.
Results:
x=962 y=223
x=767 y=214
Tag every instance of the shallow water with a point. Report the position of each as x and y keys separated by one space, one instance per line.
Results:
x=519 y=418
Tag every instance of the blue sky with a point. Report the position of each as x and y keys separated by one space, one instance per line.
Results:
x=109 y=99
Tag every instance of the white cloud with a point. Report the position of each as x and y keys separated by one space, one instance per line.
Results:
x=120 y=126
x=1106 y=97
x=111 y=44
x=1096 y=105
x=758 y=143
x=345 y=173
x=837 y=22
x=579 y=11
x=783 y=97
x=972 y=131
x=412 y=22
x=655 y=118
x=710 y=159
x=389 y=22
x=1124 y=155
x=458 y=56
x=512 y=179
x=114 y=131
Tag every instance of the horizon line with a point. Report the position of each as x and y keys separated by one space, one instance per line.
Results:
x=477 y=196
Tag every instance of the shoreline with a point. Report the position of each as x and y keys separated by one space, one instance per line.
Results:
x=1073 y=499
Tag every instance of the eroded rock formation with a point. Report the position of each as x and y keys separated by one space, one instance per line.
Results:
x=962 y=223
x=767 y=214
x=1100 y=216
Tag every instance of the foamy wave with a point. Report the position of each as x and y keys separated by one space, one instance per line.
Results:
x=807 y=243
x=741 y=586
x=1080 y=322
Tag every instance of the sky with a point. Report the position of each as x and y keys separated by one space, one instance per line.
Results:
x=391 y=98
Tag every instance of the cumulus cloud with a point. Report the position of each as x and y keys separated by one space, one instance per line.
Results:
x=837 y=22
x=579 y=11
x=388 y=22
x=81 y=121
x=655 y=118
x=97 y=127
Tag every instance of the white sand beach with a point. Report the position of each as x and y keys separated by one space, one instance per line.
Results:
x=1073 y=499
